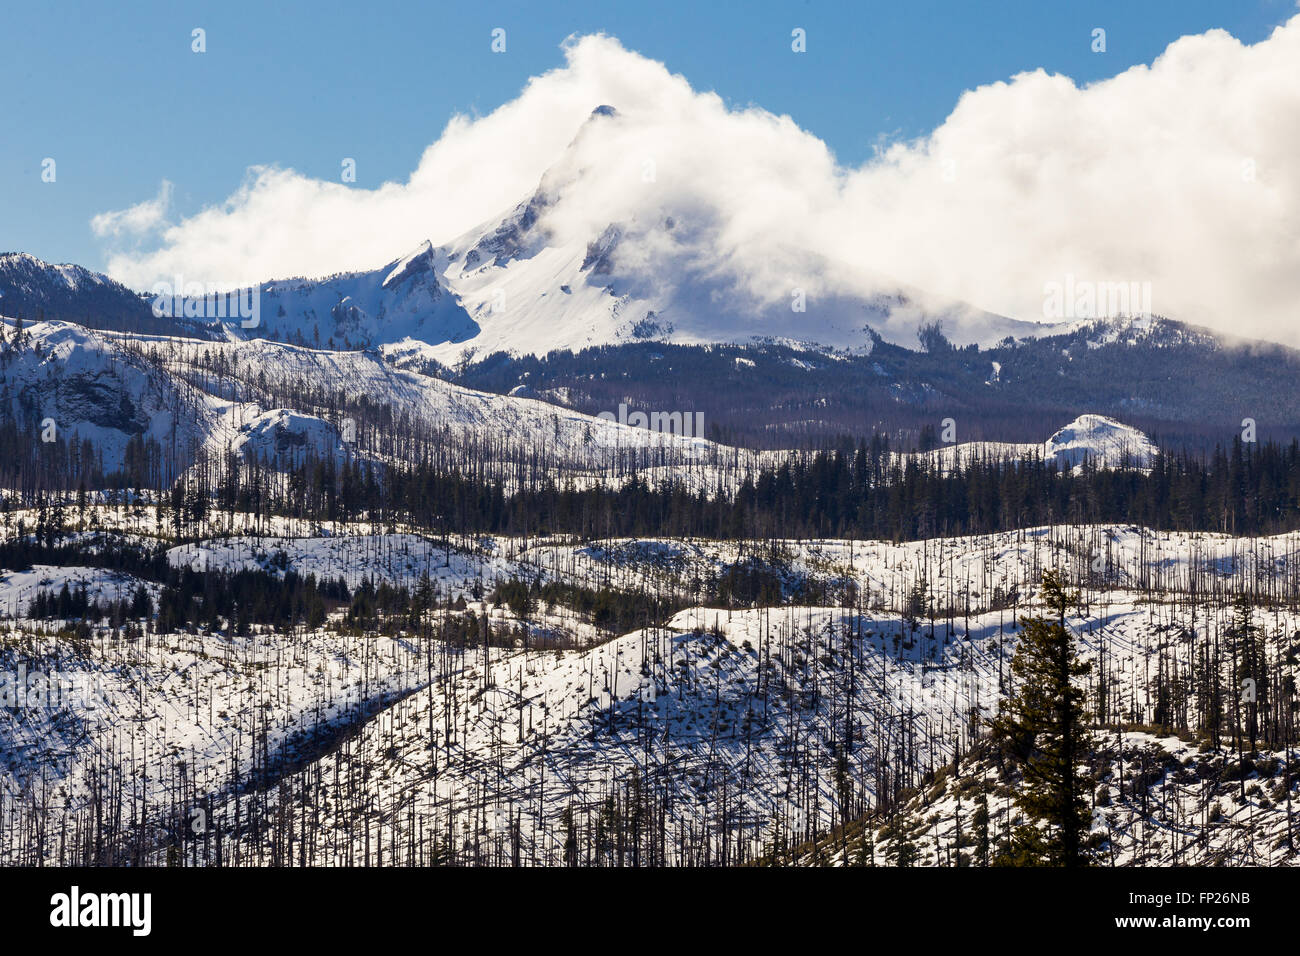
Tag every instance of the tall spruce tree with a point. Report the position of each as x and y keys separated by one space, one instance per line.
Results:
x=1250 y=667
x=1041 y=726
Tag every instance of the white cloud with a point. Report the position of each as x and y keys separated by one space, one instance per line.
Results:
x=135 y=221
x=1181 y=174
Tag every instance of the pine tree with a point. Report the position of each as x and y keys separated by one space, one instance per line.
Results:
x=1250 y=671
x=1041 y=726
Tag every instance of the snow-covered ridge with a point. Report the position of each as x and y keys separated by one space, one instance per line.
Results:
x=1102 y=441
x=108 y=388
x=713 y=702
x=1107 y=442
x=289 y=438
x=29 y=273
x=92 y=387
x=531 y=280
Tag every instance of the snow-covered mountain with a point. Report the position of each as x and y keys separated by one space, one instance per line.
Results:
x=528 y=281
x=1101 y=441
x=71 y=383
x=278 y=404
x=403 y=300
x=109 y=388
x=1104 y=441
x=544 y=275
x=36 y=290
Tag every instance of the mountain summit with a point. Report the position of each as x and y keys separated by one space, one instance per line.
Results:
x=609 y=250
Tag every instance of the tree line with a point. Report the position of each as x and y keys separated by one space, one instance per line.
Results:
x=1247 y=489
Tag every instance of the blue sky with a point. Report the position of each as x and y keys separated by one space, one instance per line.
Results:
x=114 y=94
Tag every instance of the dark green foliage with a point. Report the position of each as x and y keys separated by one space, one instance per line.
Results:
x=208 y=599
x=612 y=610
x=1041 y=727
x=863 y=493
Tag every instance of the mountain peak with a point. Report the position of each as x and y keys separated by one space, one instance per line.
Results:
x=418 y=260
x=33 y=289
x=1107 y=442
x=28 y=269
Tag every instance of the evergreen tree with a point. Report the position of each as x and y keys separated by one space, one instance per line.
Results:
x=1041 y=726
x=1250 y=671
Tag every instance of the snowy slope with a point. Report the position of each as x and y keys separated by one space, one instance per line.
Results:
x=1185 y=807
x=508 y=425
x=39 y=290
x=285 y=439
x=92 y=386
x=1103 y=441
x=532 y=280
x=108 y=387
x=401 y=300
x=734 y=719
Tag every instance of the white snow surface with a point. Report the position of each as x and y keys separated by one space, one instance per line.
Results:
x=715 y=701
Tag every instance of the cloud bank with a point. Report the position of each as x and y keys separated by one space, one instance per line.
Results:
x=135 y=221
x=1181 y=174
